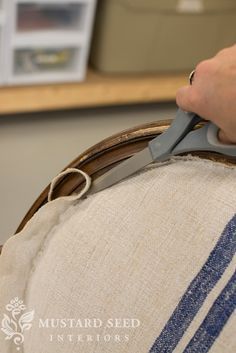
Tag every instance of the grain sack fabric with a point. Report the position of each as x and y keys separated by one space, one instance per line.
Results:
x=147 y=265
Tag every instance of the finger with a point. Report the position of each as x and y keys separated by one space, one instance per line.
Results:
x=225 y=138
x=183 y=98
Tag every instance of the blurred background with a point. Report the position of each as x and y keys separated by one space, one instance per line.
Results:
x=73 y=72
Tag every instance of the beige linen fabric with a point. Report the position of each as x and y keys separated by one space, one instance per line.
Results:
x=128 y=253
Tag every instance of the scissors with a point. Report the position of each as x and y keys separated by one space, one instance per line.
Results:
x=177 y=139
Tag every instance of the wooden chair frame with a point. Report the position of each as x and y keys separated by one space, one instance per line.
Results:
x=105 y=155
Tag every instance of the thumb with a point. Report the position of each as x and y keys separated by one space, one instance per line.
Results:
x=183 y=98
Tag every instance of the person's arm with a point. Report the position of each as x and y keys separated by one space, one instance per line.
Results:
x=212 y=94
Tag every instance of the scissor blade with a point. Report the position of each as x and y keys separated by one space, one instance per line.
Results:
x=122 y=170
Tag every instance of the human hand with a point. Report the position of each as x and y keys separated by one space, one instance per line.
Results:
x=212 y=94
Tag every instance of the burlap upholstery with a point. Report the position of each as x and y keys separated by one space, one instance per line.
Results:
x=154 y=250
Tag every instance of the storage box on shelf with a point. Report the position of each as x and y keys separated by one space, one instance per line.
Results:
x=1 y=49
x=49 y=40
x=2 y=53
x=133 y=36
x=47 y=16
x=47 y=64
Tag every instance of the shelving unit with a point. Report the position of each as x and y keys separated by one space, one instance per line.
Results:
x=2 y=21
x=23 y=42
x=48 y=40
x=96 y=90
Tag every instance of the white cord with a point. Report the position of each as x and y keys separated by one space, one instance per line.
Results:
x=71 y=197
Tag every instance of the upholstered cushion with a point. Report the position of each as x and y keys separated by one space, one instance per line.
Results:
x=146 y=265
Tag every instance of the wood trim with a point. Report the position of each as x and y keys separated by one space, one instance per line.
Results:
x=105 y=155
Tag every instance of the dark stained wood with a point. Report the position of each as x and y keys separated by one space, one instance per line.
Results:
x=100 y=158
x=105 y=155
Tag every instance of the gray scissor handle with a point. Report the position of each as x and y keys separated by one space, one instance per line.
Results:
x=162 y=146
x=204 y=139
x=180 y=138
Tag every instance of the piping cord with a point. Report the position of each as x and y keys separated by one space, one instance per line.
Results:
x=71 y=197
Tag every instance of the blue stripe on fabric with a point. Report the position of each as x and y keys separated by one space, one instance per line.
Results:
x=196 y=293
x=215 y=320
